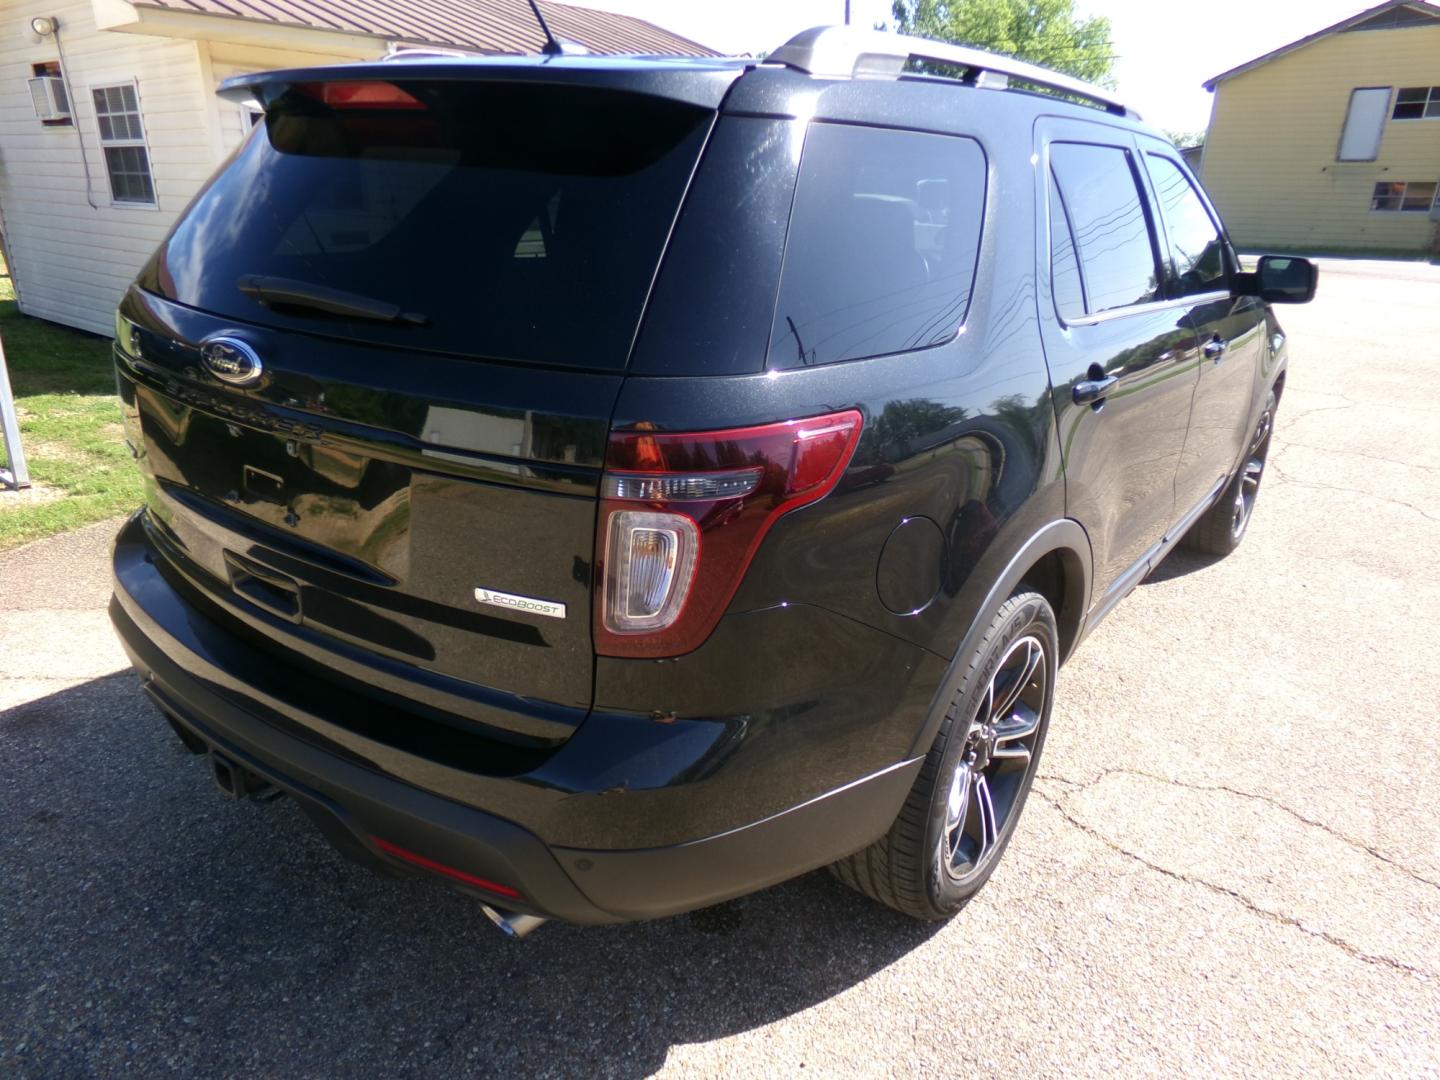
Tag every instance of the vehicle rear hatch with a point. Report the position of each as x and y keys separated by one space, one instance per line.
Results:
x=440 y=270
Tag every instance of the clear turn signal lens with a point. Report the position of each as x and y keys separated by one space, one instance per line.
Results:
x=651 y=565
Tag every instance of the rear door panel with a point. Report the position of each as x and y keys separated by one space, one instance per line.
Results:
x=1120 y=460
x=1230 y=329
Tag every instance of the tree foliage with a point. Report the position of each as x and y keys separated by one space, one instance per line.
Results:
x=1044 y=32
x=1184 y=139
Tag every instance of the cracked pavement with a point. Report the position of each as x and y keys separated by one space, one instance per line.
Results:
x=1232 y=861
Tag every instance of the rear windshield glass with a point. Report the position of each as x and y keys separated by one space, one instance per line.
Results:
x=511 y=222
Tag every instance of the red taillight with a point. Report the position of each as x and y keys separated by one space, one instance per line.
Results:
x=405 y=855
x=361 y=95
x=681 y=516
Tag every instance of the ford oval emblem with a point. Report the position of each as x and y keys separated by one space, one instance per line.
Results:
x=231 y=361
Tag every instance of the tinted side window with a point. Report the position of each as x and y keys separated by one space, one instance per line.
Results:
x=883 y=239
x=1108 y=219
x=1197 y=251
x=1064 y=267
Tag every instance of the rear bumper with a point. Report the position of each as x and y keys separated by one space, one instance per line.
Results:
x=213 y=686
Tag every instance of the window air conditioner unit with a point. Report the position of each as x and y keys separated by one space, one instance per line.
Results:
x=47 y=94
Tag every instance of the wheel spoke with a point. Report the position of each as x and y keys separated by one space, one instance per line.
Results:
x=1262 y=432
x=987 y=705
x=1003 y=704
x=1021 y=724
x=985 y=812
x=958 y=802
x=1251 y=478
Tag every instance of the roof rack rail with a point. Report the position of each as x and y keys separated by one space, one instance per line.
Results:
x=842 y=52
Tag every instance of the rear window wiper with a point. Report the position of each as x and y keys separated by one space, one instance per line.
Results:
x=277 y=292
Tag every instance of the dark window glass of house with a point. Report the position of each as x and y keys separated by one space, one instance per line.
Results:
x=1064 y=267
x=1197 y=250
x=1417 y=103
x=1107 y=217
x=1398 y=195
x=883 y=240
x=122 y=137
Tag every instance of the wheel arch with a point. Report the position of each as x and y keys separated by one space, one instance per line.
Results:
x=1056 y=562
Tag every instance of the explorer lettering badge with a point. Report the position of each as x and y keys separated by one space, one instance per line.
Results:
x=528 y=604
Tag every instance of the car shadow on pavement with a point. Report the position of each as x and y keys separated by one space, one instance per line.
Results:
x=1178 y=564
x=146 y=919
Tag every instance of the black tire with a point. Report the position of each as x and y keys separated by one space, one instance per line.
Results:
x=922 y=866
x=1220 y=529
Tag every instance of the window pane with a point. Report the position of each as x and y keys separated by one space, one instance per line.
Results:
x=1196 y=248
x=1418 y=197
x=881 y=251
x=1064 y=268
x=428 y=216
x=1387 y=196
x=106 y=131
x=1109 y=224
x=1364 y=123
x=1432 y=110
x=1408 y=110
x=127 y=99
x=1413 y=93
x=129 y=169
x=100 y=102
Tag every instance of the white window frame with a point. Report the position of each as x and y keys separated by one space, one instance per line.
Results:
x=1432 y=100
x=1351 y=117
x=142 y=143
x=1434 y=199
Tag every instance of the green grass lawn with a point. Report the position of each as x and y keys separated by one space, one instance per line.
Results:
x=70 y=426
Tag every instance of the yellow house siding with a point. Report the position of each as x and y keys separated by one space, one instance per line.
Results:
x=1270 y=153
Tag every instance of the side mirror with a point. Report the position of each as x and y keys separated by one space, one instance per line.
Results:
x=1280 y=279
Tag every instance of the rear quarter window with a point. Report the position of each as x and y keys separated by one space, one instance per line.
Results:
x=881 y=252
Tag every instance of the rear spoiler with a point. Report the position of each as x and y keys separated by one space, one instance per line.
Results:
x=699 y=82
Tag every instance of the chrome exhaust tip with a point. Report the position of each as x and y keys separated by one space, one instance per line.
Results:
x=511 y=923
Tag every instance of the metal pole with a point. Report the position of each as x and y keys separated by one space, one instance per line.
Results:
x=847 y=12
x=17 y=475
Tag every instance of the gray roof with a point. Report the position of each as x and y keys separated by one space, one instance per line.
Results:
x=489 y=26
x=1391 y=15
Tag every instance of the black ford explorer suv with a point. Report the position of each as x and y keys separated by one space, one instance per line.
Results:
x=616 y=485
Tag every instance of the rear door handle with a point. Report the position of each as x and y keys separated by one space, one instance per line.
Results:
x=1215 y=348
x=1089 y=391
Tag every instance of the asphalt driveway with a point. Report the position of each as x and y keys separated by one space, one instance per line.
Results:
x=1232 y=861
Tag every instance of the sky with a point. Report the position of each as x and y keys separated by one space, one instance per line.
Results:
x=1161 y=59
